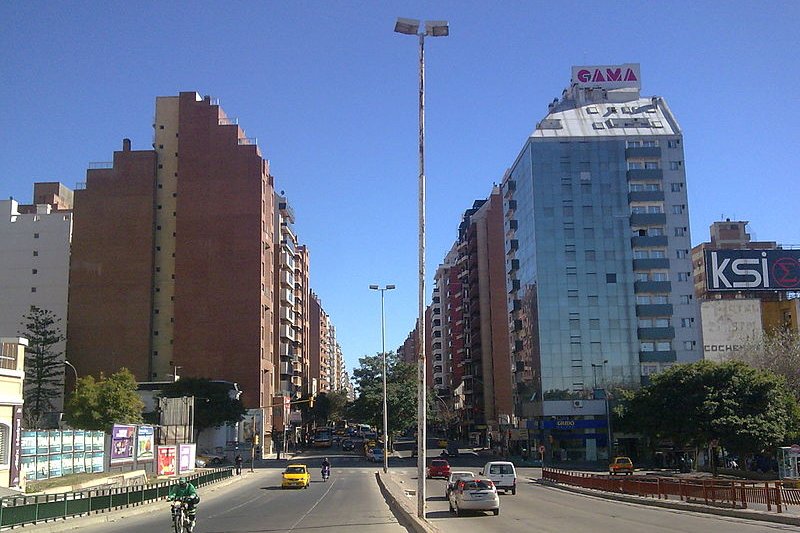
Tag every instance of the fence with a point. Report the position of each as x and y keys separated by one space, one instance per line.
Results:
x=19 y=510
x=708 y=491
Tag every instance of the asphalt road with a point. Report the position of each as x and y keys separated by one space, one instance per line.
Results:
x=536 y=508
x=349 y=501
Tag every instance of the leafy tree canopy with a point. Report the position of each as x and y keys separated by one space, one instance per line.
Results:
x=213 y=405
x=747 y=410
x=99 y=404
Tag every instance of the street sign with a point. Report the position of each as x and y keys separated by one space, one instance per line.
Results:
x=541 y=448
x=794 y=449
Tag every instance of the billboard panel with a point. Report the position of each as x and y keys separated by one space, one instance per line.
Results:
x=607 y=76
x=122 y=443
x=752 y=270
x=167 y=460
x=145 y=445
x=187 y=458
x=728 y=325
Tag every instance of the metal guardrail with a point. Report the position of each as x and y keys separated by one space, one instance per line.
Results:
x=20 y=510
x=709 y=491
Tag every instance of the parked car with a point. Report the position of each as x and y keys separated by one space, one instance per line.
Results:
x=377 y=455
x=296 y=476
x=455 y=477
x=370 y=454
x=439 y=468
x=503 y=475
x=478 y=494
x=347 y=445
x=621 y=465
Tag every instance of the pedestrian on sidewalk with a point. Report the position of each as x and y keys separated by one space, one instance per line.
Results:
x=238 y=462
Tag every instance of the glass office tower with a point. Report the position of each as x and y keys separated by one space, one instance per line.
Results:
x=598 y=256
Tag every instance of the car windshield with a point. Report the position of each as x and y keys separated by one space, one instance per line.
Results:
x=623 y=460
x=480 y=484
x=438 y=463
x=501 y=469
x=295 y=470
x=461 y=475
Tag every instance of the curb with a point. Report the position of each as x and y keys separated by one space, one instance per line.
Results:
x=679 y=505
x=78 y=521
x=406 y=517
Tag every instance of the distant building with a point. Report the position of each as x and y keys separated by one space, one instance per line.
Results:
x=34 y=260
x=172 y=257
x=731 y=316
x=598 y=254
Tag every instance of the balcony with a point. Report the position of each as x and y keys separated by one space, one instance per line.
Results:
x=650 y=310
x=648 y=219
x=648 y=241
x=658 y=357
x=652 y=287
x=285 y=368
x=654 y=334
x=645 y=174
x=641 y=265
x=643 y=151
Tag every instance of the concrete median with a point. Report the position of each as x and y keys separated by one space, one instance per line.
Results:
x=402 y=502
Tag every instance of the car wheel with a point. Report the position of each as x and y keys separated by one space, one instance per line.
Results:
x=496 y=511
x=450 y=504
x=457 y=512
x=514 y=491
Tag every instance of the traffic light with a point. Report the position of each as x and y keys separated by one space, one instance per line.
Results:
x=255 y=440
x=311 y=402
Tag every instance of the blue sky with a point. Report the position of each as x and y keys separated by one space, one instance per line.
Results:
x=331 y=94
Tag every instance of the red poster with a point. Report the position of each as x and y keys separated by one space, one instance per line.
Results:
x=167 y=460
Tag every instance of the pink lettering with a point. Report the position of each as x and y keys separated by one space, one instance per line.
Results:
x=598 y=76
x=614 y=74
x=584 y=76
x=630 y=76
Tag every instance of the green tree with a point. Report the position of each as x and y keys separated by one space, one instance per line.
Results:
x=44 y=365
x=213 y=406
x=99 y=404
x=746 y=409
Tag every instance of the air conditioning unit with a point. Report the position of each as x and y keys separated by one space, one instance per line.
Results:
x=577 y=404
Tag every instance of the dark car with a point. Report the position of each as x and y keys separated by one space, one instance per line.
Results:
x=347 y=445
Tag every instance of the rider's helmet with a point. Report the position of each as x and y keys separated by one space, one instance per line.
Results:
x=183 y=481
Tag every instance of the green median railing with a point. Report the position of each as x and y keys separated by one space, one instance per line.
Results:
x=20 y=510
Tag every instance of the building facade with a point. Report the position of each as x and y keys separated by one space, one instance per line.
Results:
x=12 y=376
x=34 y=263
x=597 y=250
x=172 y=259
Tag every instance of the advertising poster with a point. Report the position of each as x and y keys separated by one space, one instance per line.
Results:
x=122 y=437
x=78 y=466
x=55 y=442
x=78 y=440
x=185 y=457
x=42 y=443
x=66 y=464
x=97 y=461
x=28 y=443
x=55 y=465
x=29 y=467
x=15 y=466
x=167 y=458
x=145 y=448
x=42 y=467
x=66 y=441
x=97 y=441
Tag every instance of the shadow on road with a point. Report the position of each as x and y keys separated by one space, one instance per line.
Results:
x=438 y=514
x=436 y=499
x=278 y=487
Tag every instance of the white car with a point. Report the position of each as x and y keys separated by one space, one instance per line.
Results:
x=453 y=480
x=503 y=474
x=477 y=494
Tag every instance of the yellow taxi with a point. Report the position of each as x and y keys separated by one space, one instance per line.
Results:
x=621 y=465
x=296 y=476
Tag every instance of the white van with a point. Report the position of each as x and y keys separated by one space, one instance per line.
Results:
x=503 y=475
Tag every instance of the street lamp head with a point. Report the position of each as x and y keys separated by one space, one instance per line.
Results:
x=389 y=287
x=437 y=28
x=373 y=287
x=407 y=26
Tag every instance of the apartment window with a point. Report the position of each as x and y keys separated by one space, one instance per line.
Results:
x=35 y=235
x=659 y=299
x=645 y=323
x=678 y=209
x=635 y=165
x=590 y=255
x=676 y=187
x=663 y=346
x=687 y=322
x=5 y=441
x=642 y=276
x=659 y=276
x=673 y=143
x=594 y=323
x=34 y=271
x=568 y=212
x=686 y=298
x=642 y=300
x=35 y=253
x=658 y=254
x=675 y=165
x=651 y=165
x=688 y=345
x=611 y=278
x=683 y=276
x=680 y=232
x=682 y=254
x=33 y=289
x=646 y=347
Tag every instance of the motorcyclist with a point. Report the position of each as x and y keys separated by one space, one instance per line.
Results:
x=185 y=492
x=326 y=466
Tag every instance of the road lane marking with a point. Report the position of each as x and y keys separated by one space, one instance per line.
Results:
x=313 y=506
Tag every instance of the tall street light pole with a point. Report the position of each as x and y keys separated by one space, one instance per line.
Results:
x=383 y=352
x=433 y=28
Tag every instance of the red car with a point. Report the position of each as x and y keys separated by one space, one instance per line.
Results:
x=439 y=468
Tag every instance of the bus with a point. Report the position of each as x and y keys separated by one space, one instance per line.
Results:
x=323 y=438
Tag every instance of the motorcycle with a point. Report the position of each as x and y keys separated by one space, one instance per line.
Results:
x=326 y=473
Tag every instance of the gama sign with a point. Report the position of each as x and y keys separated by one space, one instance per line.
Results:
x=607 y=76
x=752 y=270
